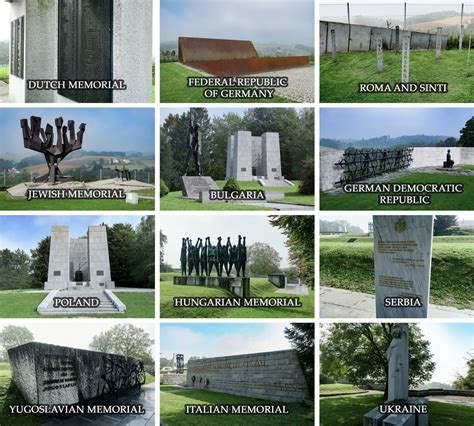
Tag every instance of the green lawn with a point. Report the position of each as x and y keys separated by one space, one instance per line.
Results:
x=173 y=200
x=350 y=266
x=259 y=287
x=442 y=201
x=340 y=81
x=465 y=166
x=338 y=389
x=172 y=410
x=12 y=203
x=349 y=411
x=19 y=304
x=4 y=74
x=173 y=88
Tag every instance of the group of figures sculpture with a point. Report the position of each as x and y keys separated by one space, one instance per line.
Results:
x=359 y=164
x=203 y=259
x=123 y=173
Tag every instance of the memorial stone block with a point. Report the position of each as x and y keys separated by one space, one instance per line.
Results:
x=193 y=185
x=402 y=258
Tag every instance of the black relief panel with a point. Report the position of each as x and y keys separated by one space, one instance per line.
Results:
x=17 y=53
x=85 y=46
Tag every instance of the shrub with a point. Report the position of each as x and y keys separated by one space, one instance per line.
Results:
x=163 y=188
x=231 y=185
x=307 y=181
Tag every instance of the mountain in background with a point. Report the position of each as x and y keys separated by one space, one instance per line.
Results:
x=383 y=142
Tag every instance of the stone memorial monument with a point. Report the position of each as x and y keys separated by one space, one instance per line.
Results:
x=79 y=271
x=397 y=355
x=202 y=259
x=379 y=54
x=50 y=374
x=275 y=376
x=402 y=260
x=438 y=43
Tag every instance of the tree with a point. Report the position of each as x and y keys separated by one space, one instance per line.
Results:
x=300 y=233
x=301 y=337
x=356 y=352
x=263 y=259
x=143 y=254
x=40 y=262
x=121 y=241
x=467 y=133
x=466 y=382
x=442 y=223
x=307 y=183
x=12 y=336
x=15 y=269
x=126 y=340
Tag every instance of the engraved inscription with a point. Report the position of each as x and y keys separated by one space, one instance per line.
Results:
x=59 y=372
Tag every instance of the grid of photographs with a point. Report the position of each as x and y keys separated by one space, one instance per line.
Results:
x=237 y=294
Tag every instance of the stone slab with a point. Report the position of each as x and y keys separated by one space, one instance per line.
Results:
x=373 y=418
x=278 y=279
x=276 y=376
x=174 y=379
x=193 y=185
x=239 y=286
x=50 y=374
x=400 y=419
x=402 y=261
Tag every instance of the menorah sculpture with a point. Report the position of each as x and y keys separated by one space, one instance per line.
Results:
x=38 y=139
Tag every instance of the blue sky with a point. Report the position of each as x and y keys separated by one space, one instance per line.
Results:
x=221 y=339
x=107 y=129
x=25 y=232
x=264 y=21
x=358 y=123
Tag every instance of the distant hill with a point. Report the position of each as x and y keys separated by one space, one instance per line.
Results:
x=382 y=142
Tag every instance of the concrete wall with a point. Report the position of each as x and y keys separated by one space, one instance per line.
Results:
x=174 y=379
x=271 y=155
x=275 y=376
x=422 y=157
x=79 y=258
x=17 y=85
x=363 y=38
x=58 y=258
x=278 y=279
x=50 y=374
x=99 y=263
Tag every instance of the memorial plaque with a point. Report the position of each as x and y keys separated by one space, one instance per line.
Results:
x=17 y=45
x=402 y=259
x=85 y=46
x=193 y=185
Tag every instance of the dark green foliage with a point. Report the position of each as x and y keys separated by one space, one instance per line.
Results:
x=466 y=382
x=467 y=133
x=301 y=337
x=231 y=185
x=12 y=336
x=164 y=190
x=262 y=259
x=307 y=178
x=40 y=262
x=15 y=270
x=442 y=223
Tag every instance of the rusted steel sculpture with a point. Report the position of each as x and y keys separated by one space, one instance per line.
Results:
x=231 y=57
x=37 y=139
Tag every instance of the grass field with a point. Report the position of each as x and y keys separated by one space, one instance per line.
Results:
x=173 y=87
x=338 y=389
x=442 y=201
x=340 y=81
x=19 y=304
x=259 y=287
x=173 y=200
x=11 y=203
x=172 y=410
x=349 y=411
x=351 y=267
x=4 y=74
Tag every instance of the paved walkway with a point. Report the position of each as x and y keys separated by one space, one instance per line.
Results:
x=279 y=206
x=301 y=290
x=146 y=398
x=337 y=303
x=468 y=401
x=3 y=92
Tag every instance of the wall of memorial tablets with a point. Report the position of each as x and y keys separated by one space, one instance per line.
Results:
x=276 y=376
x=174 y=379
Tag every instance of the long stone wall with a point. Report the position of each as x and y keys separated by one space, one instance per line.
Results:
x=174 y=379
x=275 y=376
x=350 y=38
x=422 y=157
x=50 y=374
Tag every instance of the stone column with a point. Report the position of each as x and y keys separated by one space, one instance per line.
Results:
x=271 y=155
x=230 y=157
x=406 y=59
x=58 y=266
x=242 y=164
x=99 y=263
x=438 y=43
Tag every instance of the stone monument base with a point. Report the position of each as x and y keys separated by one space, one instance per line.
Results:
x=194 y=185
x=174 y=379
x=238 y=286
x=375 y=418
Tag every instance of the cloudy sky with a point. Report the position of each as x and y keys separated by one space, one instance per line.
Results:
x=362 y=220
x=255 y=228
x=286 y=22
x=24 y=232
x=221 y=339
x=358 y=123
x=107 y=129
x=75 y=334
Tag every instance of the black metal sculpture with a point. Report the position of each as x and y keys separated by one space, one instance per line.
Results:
x=180 y=363
x=205 y=259
x=449 y=163
x=40 y=140
x=358 y=164
x=193 y=146
x=123 y=174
